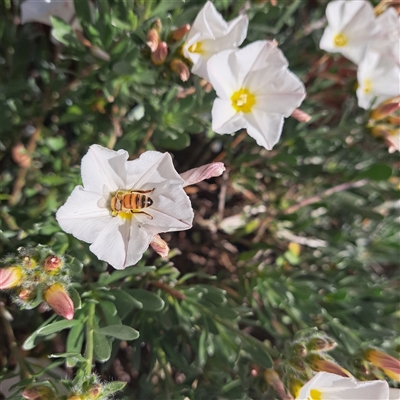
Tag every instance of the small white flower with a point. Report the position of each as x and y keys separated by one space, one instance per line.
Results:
x=255 y=91
x=378 y=79
x=327 y=386
x=123 y=205
x=211 y=34
x=352 y=26
x=42 y=10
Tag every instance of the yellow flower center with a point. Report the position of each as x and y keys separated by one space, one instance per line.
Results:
x=315 y=395
x=367 y=86
x=340 y=40
x=243 y=100
x=196 y=48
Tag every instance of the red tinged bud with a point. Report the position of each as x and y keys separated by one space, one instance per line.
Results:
x=153 y=39
x=52 y=263
x=388 y=364
x=38 y=393
x=321 y=364
x=179 y=33
x=180 y=68
x=57 y=298
x=159 y=56
x=160 y=246
x=10 y=277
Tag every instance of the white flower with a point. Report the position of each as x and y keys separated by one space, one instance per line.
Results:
x=42 y=10
x=255 y=91
x=120 y=224
x=327 y=386
x=388 y=43
x=352 y=26
x=211 y=34
x=378 y=79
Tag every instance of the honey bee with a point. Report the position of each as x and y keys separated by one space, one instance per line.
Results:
x=132 y=201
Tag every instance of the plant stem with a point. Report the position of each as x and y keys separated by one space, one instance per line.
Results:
x=89 y=338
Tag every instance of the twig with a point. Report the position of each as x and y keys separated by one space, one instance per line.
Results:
x=24 y=372
x=21 y=177
x=146 y=138
x=222 y=196
x=315 y=199
x=234 y=143
x=173 y=292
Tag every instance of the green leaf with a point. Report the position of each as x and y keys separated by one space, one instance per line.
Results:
x=124 y=302
x=150 y=301
x=259 y=355
x=75 y=356
x=30 y=342
x=57 y=327
x=82 y=9
x=378 y=172
x=122 y=332
x=123 y=68
x=132 y=271
x=112 y=388
x=101 y=348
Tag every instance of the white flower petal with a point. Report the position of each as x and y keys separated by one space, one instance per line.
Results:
x=335 y=387
x=81 y=216
x=394 y=394
x=225 y=119
x=199 y=174
x=41 y=10
x=121 y=243
x=103 y=167
x=151 y=169
x=265 y=128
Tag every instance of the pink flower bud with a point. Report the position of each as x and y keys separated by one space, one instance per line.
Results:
x=301 y=116
x=178 y=33
x=389 y=364
x=52 y=263
x=153 y=39
x=199 y=174
x=160 y=54
x=25 y=294
x=385 y=109
x=319 y=363
x=10 y=277
x=180 y=68
x=38 y=393
x=274 y=380
x=58 y=299
x=160 y=246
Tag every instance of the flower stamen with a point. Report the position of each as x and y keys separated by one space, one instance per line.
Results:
x=367 y=86
x=196 y=48
x=340 y=40
x=243 y=100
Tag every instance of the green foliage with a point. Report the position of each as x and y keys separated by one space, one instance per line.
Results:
x=233 y=296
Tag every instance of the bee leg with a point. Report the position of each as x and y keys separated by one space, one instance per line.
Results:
x=114 y=213
x=142 y=212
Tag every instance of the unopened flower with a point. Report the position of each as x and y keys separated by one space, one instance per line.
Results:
x=325 y=385
x=378 y=79
x=211 y=34
x=153 y=39
x=160 y=246
x=272 y=377
x=57 y=298
x=179 y=33
x=388 y=364
x=42 y=10
x=38 y=393
x=255 y=91
x=123 y=204
x=385 y=109
x=10 y=277
x=159 y=55
x=352 y=26
x=318 y=363
x=52 y=263
x=180 y=68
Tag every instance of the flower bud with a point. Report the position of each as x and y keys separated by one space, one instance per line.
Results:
x=95 y=391
x=58 y=299
x=25 y=294
x=153 y=39
x=160 y=54
x=299 y=349
x=52 y=263
x=157 y=25
x=38 y=393
x=199 y=174
x=180 y=68
x=389 y=364
x=29 y=262
x=10 y=277
x=179 y=33
x=318 y=344
x=160 y=246
x=320 y=364
x=385 y=109
x=301 y=116
x=274 y=380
